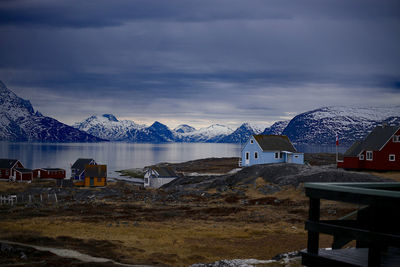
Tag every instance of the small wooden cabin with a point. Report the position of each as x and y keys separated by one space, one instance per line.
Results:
x=78 y=168
x=95 y=175
x=49 y=173
x=156 y=177
x=7 y=168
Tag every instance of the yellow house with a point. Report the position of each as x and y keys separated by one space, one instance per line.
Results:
x=95 y=175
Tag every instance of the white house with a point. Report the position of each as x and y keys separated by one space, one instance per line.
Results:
x=156 y=177
x=262 y=149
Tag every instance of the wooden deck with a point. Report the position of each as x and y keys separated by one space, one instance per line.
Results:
x=376 y=228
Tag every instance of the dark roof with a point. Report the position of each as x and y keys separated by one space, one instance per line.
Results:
x=374 y=141
x=274 y=143
x=52 y=169
x=165 y=171
x=22 y=170
x=96 y=171
x=7 y=163
x=80 y=164
x=354 y=150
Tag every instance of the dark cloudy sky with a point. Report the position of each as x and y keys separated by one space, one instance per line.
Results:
x=200 y=61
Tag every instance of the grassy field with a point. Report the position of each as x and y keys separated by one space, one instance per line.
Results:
x=176 y=232
x=173 y=234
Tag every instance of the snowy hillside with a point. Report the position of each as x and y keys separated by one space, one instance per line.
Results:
x=211 y=134
x=107 y=126
x=321 y=125
x=276 y=128
x=184 y=128
x=242 y=134
x=19 y=122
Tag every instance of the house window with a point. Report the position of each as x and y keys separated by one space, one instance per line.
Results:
x=276 y=155
x=146 y=180
x=280 y=155
x=296 y=156
x=396 y=138
x=251 y=141
x=247 y=155
x=392 y=157
x=369 y=155
x=256 y=155
x=361 y=157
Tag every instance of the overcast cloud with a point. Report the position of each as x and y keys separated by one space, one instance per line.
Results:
x=200 y=62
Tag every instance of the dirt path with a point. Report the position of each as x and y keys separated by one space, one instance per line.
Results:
x=69 y=253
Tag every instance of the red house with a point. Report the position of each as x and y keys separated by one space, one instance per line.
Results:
x=49 y=173
x=7 y=168
x=380 y=150
x=22 y=174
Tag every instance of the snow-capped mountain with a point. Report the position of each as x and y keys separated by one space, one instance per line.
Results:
x=211 y=134
x=184 y=128
x=107 y=126
x=19 y=122
x=276 y=128
x=241 y=134
x=320 y=126
x=161 y=132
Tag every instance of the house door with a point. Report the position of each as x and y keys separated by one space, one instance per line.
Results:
x=91 y=181
x=289 y=158
x=247 y=158
x=38 y=174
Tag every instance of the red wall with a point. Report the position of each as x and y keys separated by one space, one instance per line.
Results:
x=3 y=174
x=59 y=174
x=350 y=163
x=25 y=176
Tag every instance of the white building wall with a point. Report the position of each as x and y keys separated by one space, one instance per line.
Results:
x=158 y=182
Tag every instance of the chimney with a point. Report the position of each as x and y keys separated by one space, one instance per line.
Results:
x=384 y=125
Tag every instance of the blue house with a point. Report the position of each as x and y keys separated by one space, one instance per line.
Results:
x=262 y=149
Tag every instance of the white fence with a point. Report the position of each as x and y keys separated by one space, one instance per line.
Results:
x=10 y=199
x=13 y=199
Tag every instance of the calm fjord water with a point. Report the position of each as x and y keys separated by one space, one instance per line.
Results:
x=119 y=156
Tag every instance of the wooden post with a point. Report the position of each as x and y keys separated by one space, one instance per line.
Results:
x=313 y=237
x=55 y=196
x=374 y=250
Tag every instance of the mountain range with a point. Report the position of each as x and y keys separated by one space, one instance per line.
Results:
x=316 y=127
x=19 y=122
